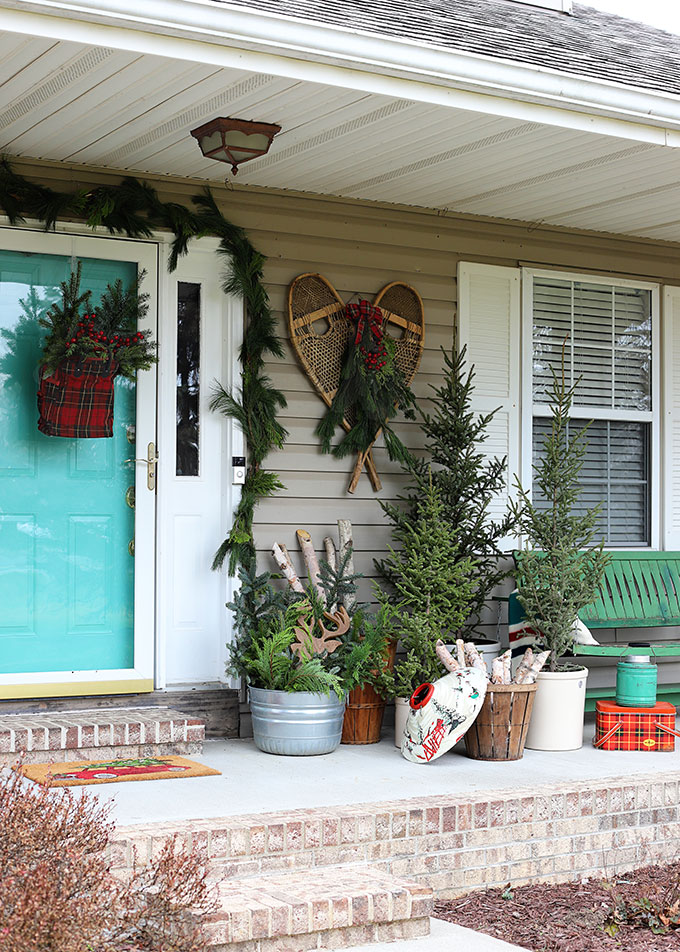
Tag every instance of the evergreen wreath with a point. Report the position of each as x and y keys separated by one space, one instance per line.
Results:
x=371 y=389
x=107 y=332
x=133 y=208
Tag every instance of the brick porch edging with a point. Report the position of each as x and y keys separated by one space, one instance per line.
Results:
x=451 y=843
x=98 y=734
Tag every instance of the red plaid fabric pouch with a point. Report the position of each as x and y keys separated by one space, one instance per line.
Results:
x=76 y=401
x=635 y=728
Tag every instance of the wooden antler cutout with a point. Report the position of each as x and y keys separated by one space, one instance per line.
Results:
x=309 y=645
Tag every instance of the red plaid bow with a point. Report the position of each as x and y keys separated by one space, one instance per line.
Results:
x=375 y=356
x=362 y=312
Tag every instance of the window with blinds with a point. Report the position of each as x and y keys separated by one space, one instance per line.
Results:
x=603 y=332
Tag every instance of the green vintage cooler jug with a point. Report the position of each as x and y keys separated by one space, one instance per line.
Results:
x=636 y=682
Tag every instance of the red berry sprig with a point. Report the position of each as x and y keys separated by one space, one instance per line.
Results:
x=86 y=329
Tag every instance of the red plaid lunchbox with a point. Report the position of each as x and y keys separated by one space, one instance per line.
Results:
x=76 y=401
x=635 y=728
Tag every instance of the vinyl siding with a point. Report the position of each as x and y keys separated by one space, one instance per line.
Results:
x=360 y=247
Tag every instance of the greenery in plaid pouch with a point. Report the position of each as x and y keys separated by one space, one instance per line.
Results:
x=76 y=331
x=371 y=389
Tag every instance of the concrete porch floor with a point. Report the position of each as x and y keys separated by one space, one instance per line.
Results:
x=255 y=782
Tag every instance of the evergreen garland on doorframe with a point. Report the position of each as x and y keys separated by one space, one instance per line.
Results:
x=134 y=209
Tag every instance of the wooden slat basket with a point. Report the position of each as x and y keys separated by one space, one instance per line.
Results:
x=500 y=730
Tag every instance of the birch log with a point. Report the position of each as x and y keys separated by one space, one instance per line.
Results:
x=284 y=563
x=537 y=664
x=524 y=665
x=473 y=659
x=446 y=657
x=311 y=561
x=331 y=554
x=346 y=543
x=332 y=559
x=498 y=672
x=506 y=661
x=460 y=652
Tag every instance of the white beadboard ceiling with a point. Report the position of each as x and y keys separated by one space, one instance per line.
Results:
x=67 y=102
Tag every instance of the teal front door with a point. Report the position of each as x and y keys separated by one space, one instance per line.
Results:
x=68 y=538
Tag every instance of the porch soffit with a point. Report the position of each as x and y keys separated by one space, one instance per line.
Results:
x=67 y=101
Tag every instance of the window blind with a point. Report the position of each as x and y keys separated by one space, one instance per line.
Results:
x=615 y=475
x=605 y=333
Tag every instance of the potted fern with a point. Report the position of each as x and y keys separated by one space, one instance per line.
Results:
x=301 y=654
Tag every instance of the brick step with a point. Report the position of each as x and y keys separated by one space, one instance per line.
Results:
x=370 y=834
x=328 y=908
x=98 y=735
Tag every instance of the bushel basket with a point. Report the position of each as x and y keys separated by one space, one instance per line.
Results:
x=76 y=400
x=500 y=730
x=363 y=716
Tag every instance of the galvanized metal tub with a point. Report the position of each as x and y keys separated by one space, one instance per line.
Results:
x=298 y=724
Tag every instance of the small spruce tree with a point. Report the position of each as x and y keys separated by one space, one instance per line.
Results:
x=467 y=482
x=435 y=587
x=560 y=568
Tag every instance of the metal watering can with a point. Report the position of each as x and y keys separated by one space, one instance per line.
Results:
x=441 y=712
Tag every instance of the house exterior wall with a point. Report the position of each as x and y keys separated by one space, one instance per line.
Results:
x=359 y=248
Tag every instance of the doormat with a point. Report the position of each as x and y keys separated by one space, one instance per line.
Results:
x=77 y=772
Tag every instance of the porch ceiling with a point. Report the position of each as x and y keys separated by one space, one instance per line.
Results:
x=69 y=102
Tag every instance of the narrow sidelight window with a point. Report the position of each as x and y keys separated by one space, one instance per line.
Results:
x=188 y=377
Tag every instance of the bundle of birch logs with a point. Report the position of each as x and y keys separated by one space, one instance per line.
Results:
x=467 y=656
x=334 y=557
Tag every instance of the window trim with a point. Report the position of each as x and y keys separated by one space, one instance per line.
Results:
x=604 y=413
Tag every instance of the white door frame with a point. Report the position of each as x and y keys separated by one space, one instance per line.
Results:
x=66 y=240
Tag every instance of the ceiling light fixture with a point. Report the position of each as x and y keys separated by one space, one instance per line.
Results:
x=234 y=140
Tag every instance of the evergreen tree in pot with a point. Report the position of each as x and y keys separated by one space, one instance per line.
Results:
x=468 y=482
x=559 y=572
x=434 y=589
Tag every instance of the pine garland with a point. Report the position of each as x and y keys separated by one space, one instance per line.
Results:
x=133 y=208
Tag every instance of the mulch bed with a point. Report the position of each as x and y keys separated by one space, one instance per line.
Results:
x=570 y=917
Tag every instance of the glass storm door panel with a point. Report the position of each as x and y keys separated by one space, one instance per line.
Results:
x=67 y=526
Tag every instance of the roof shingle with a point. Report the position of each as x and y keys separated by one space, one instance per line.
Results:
x=588 y=42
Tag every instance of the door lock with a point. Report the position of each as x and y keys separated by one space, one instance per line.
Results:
x=151 y=460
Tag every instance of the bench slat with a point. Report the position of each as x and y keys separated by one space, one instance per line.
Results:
x=639 y=590
x=645 y=592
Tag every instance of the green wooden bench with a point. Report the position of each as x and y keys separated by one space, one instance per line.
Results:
x=639 y=590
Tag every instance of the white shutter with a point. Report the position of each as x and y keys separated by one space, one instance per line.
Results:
x=671 y=418
x=489 y=321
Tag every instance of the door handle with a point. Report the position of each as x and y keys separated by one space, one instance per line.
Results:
x=151 y=460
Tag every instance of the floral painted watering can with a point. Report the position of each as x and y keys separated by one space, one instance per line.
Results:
x=441 y=713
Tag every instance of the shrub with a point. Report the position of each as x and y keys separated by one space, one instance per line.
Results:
x=57 y=892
